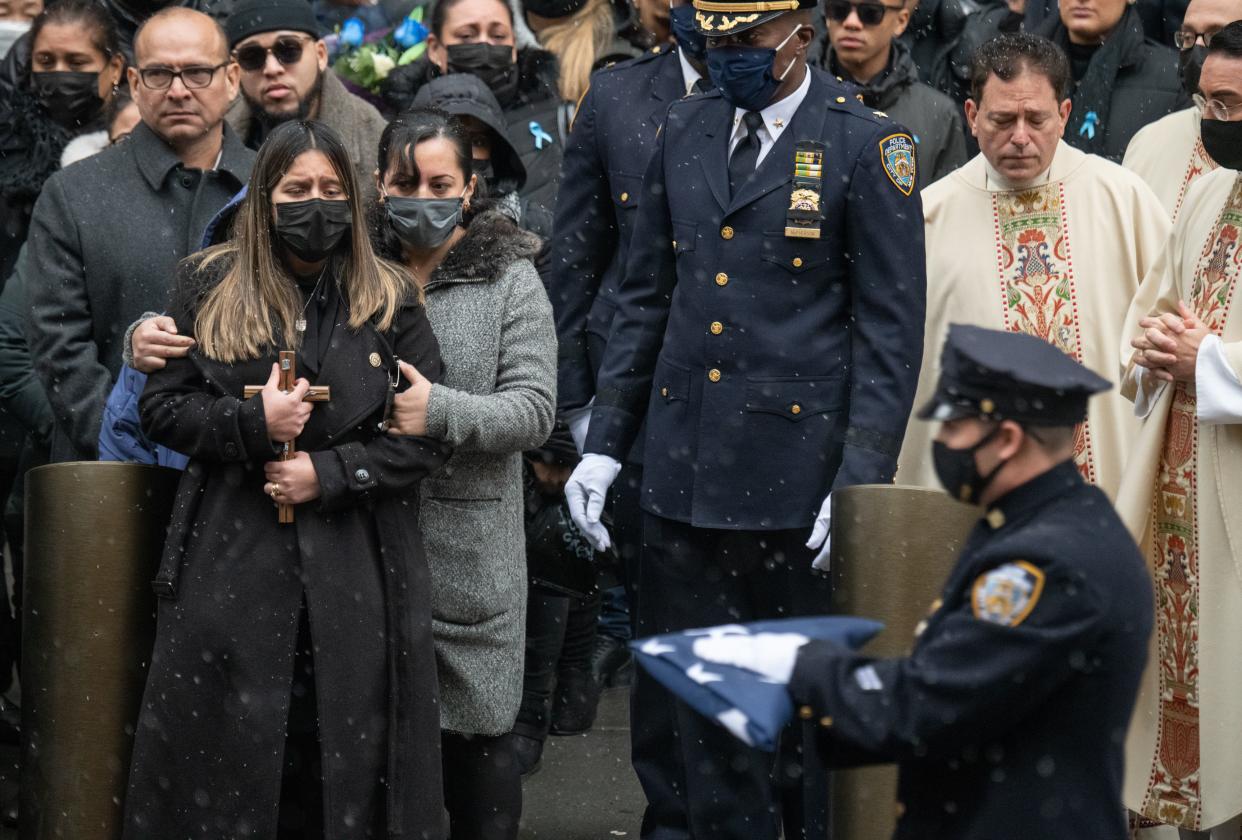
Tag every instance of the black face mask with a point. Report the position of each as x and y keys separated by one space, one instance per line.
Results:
x=70 y=99
x=313 y=228
x=485 y=172
x=1223 y=141
x=1190 y=65
x=957 y=471
x=492 y=63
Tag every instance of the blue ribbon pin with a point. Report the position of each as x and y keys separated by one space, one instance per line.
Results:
x=541 y=136
x=1089 y=123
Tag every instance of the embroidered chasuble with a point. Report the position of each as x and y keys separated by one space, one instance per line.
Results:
x=1059 y=259
x=1180 y=498
x=1169 y=156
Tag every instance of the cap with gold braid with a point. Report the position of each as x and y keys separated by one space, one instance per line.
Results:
x=726 y=17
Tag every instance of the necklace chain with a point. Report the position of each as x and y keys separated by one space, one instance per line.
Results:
x=300 y=323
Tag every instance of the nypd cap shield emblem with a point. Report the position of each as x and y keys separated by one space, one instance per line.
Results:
x=1007 y=594
x=897 y=154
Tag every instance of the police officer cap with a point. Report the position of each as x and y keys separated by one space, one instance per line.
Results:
x=999 y=375
x=716 y=18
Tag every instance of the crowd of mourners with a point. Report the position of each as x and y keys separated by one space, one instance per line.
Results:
x=188 y=187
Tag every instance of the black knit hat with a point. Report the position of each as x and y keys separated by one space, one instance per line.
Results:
x=552 y=8
x=250 y=17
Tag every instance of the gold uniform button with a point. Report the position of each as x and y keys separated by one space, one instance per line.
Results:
x=713 y=375
x=374 y=359
x=717 y=328
x=797 y=262
x=987 y=406
x=664 y=392
x=840 y=100
x=625 y=196
x=806 y=713
x=825 y=722
x=726 y=232
x=795 y=409
x=722 y=279
x=996 y=519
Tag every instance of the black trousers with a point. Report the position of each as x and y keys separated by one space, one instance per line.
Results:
x=482 y=786
x=700 y=781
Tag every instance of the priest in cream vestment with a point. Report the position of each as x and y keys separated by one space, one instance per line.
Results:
x=1169 y=156
x=1058 y=255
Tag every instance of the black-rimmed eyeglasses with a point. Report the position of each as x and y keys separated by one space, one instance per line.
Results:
x=1185 y=38
x=194 y=78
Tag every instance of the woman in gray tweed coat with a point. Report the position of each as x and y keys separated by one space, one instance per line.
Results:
x=493 y=320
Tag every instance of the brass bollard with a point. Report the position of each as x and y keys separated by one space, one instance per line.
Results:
x=892 y=550
x=94 y=533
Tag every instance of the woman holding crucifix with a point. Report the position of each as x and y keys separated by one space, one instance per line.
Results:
x=292 y=688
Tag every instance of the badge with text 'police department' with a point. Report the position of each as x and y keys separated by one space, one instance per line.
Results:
x=805 y=214
x=897 y=155
x=1007 y=594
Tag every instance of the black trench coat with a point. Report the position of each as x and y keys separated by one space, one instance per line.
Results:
x=208 y=754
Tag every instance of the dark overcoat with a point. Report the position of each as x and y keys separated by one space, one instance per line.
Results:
x=208 y=753
x=1009 y=718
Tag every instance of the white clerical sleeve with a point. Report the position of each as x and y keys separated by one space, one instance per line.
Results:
x=1147 y=390
x=1218 y=391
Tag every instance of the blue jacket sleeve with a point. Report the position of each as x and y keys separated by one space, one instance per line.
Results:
x=645 y=298
x=584 y=243
x=884 y=240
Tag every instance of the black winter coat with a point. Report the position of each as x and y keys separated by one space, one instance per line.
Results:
x=211 y=734
x=536 y=120
x=1130 y=82
x=933 y=118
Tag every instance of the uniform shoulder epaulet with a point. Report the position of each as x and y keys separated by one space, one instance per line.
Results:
x=843 y=100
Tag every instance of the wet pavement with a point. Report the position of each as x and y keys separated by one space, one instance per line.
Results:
x=585 y=789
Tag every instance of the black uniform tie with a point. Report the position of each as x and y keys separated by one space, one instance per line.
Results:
x=746 y=155
x=701 y=85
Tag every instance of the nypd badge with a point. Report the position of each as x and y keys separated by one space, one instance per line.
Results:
x=1007 y=594
x=897 y=155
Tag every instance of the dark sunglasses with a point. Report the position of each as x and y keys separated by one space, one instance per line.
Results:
x=287 y=51
x=869 y=14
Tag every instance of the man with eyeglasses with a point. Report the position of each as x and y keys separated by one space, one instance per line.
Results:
x=107 y=233
x=768 y=331
x=1168 y=153
x=285 y=76
x=1035 y=236
x=1183 y=369
x=862 y=47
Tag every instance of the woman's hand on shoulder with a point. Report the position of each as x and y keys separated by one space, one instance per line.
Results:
x=292 y=482
x=285 y=413
x=409 y=408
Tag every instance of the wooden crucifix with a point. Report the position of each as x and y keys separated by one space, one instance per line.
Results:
x=317 y=393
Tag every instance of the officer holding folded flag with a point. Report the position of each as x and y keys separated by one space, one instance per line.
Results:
x=769 y=329
x=1008 y=719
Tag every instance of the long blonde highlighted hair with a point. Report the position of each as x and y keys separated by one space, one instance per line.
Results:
x=578 y=41
x=257 y=302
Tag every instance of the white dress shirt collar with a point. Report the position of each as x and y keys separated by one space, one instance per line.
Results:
x=688 y=74
x=776 y=118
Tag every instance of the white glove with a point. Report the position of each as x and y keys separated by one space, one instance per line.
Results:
x=820 y=536
x=586 y=491
x=771 y=655
x=579 y=421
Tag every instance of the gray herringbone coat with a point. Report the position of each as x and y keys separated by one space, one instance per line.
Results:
x=493 y=320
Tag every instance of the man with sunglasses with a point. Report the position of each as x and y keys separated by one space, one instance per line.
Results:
x=108 y=232
x=1183 y=357
x=769 y=332
x=1168 y=154
x=285 y=76
x=861 y=47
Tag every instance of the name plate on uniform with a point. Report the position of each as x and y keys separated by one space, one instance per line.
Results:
x=805 y=214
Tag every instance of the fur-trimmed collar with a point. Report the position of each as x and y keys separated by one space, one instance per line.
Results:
x=491 y=244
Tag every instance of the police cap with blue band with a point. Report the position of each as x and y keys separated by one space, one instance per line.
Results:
x=715 y=18
x=1000 y=375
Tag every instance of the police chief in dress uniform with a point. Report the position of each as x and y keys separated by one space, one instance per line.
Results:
x=768 y=330
x=1008 y=719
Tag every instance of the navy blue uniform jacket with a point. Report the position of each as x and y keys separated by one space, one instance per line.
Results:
x=1008 y=719
x=613 y=137
x=775 y=368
